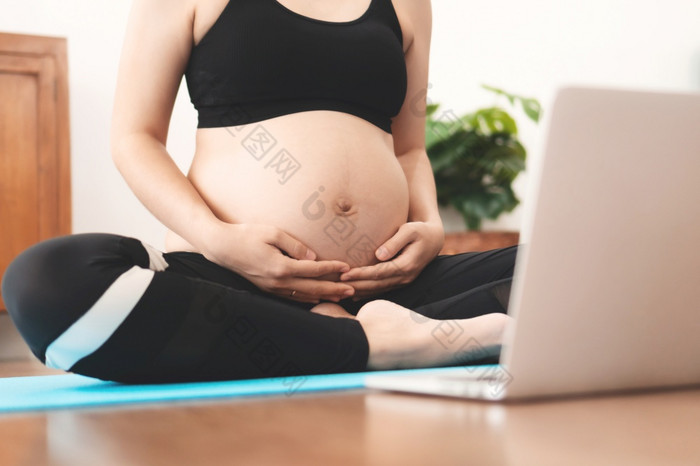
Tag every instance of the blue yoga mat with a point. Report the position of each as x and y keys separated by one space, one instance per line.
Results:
x=73 y=391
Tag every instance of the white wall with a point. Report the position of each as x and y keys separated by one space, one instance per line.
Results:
x=532 y=46
x=526 y=47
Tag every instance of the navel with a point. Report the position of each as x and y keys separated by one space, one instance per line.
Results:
x=344 y=206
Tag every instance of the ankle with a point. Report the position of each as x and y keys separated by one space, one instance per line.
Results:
x=394 y=338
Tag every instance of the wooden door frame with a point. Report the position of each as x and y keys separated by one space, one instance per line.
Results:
x=54 y=48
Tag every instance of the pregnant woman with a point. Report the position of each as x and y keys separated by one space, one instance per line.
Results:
x=303 y=239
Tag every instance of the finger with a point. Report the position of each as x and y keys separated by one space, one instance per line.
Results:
x=373 y=272
x=393 y=245
x=304 y=298
x=296 y=295
x=292 y=246
x=362 y=286
x=403 y=264
x=311 y=269
x=311 y=289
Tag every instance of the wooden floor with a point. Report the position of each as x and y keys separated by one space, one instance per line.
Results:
x=359 y=427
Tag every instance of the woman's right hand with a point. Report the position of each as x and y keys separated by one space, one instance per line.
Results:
x=257 y=252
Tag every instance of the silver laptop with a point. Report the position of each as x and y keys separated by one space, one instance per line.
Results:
x=606 y=293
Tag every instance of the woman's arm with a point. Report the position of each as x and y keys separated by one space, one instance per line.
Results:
x=154 y=56
x=421 y=238
x=408 y=127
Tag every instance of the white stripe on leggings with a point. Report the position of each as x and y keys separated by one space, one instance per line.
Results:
x=94 y=328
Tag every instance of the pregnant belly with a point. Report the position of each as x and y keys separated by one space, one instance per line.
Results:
x=342 y=193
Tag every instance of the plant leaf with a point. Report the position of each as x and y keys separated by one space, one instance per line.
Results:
x=532 y=109
x=495 y=120
x=475 y=159
x=430 y=109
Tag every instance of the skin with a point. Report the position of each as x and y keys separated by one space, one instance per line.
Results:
x=231 y=210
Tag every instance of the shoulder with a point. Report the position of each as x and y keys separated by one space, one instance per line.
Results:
x=421 y=6
x=415 y=17
x=166 y=14
x=168 y=8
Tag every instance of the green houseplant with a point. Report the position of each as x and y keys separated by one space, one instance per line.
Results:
x=476 y=157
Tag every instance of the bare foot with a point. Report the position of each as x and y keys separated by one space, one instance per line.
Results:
x=331 y=310
x=400 y=338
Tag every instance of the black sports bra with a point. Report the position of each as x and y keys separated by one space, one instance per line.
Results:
x=261 y=60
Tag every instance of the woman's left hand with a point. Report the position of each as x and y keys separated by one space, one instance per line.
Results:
x=418 y=244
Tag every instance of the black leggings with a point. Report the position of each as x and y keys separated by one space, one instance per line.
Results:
x=111 y=307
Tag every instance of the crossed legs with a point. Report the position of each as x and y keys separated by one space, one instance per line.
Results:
x=110 y=307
